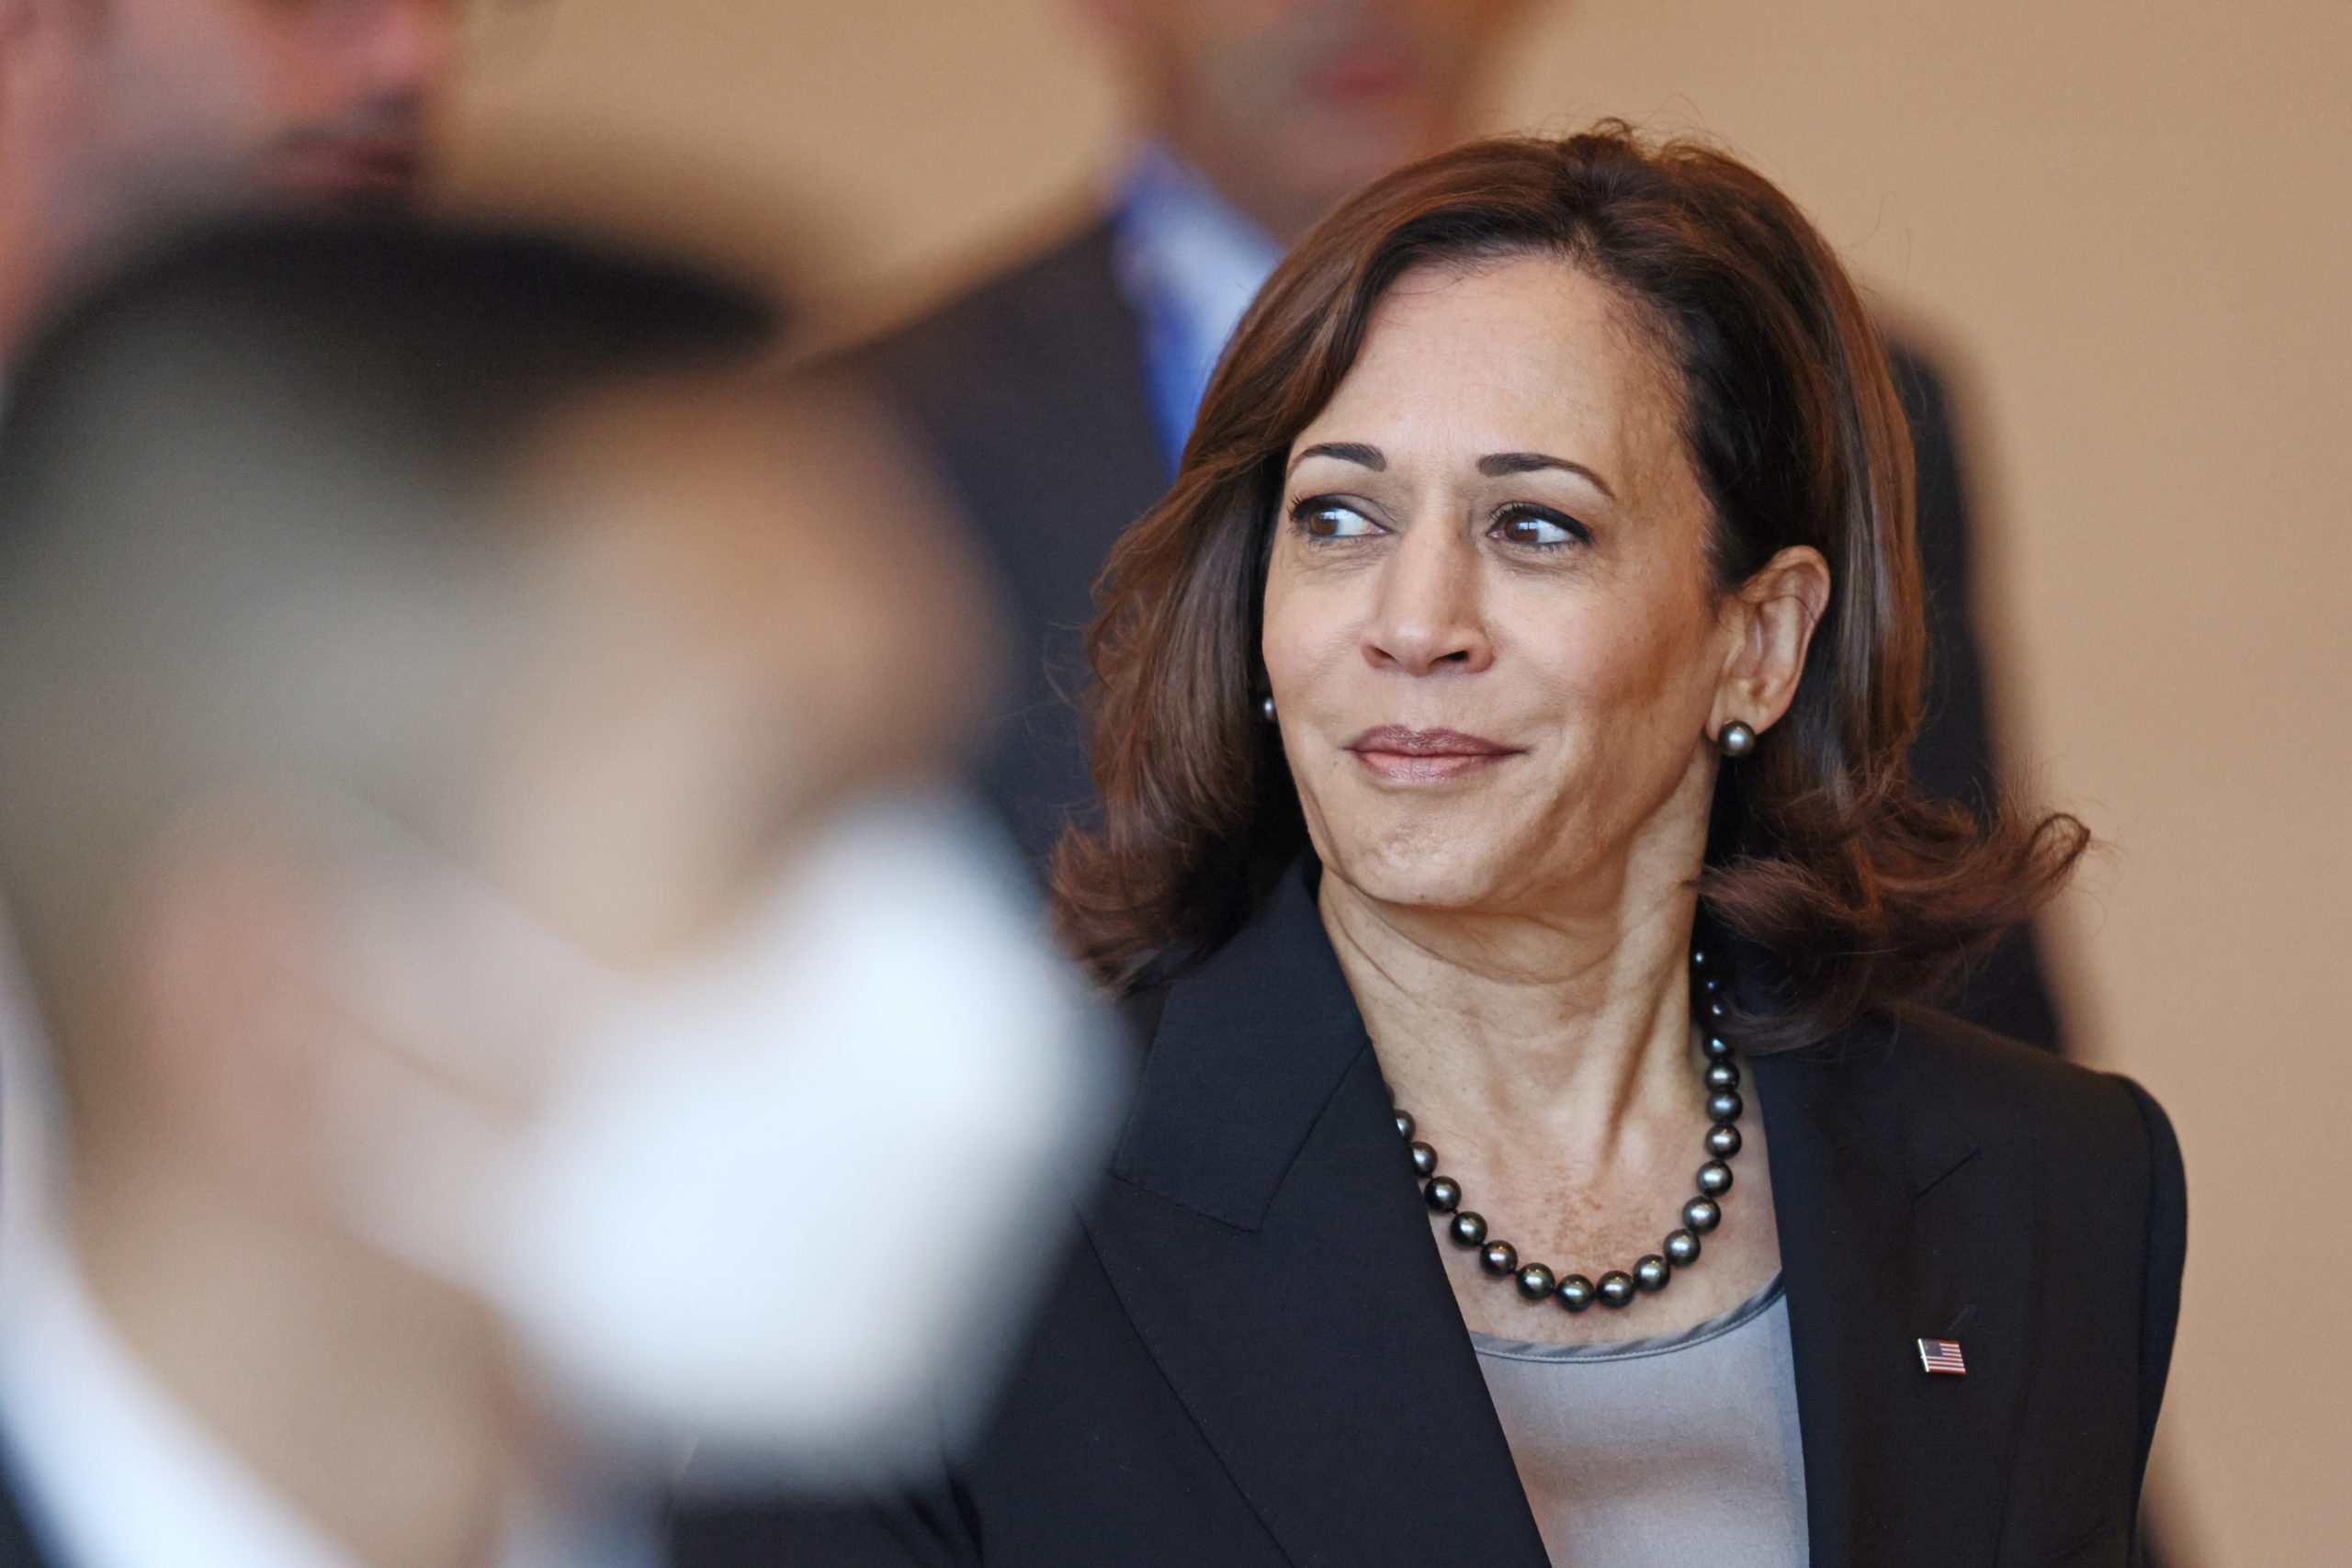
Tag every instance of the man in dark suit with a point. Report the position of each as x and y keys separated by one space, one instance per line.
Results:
x=1057 y=395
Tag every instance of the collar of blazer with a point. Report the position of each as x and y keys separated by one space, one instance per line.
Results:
x=1265 y=1235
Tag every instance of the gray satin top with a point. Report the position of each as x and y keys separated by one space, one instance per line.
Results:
x=1677 y=1451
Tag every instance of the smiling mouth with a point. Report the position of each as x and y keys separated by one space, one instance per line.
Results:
x=1399 y=755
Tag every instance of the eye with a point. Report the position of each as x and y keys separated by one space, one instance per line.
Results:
x=1328 y=517
x=1523 y=523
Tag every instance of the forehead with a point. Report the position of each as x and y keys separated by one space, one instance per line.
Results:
x=1526 y=353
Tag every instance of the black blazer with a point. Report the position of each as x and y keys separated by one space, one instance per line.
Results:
x=1029 y=393
x=1253 y=1357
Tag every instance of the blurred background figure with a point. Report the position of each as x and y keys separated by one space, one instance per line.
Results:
x=521 y=1010
x=119 y=115
x=1057 y=394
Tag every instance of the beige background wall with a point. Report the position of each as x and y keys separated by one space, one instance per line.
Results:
x=2130 y=223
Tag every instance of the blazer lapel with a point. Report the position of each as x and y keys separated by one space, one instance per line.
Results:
x=1265 y=1234
x=1882 y=1205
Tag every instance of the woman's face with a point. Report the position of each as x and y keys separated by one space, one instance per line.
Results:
x=1495 y=652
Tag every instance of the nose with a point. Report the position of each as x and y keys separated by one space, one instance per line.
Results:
x=1431 y=614
x=404 y=49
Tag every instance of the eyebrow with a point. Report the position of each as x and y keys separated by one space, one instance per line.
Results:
x=1354 y=452
x=1495 y=464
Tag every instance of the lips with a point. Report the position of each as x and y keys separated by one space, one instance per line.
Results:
x=1403 y=755
x=324 y=166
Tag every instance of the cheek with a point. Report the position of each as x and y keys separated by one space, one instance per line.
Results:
x=1305 y=628
x=1608 y=655
x=1627 y=679
x=184 y=90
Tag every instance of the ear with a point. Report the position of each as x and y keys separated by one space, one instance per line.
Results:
x=1770 y=620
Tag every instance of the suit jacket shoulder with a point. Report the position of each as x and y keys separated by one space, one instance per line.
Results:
x=1938 y=1181
x=2102 y=1127
x=1029 y=393
x=2000 y=1089
x=1032 y=389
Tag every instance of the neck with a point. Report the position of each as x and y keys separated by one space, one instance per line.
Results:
x=1554 y=1014
x=1282 y=212
x=271 y=1330
x=1518 y=1023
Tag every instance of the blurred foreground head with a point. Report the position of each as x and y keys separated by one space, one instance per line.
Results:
x=116 y=114
x=1289 y=104
x=467 y=814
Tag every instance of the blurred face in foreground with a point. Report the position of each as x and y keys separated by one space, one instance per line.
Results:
x=1495 y=643
x=570 y=1049
x=1289 y=104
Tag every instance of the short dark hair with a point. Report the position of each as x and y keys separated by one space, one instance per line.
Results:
x=275 y=424
x=443 y=338
x=1823 y=848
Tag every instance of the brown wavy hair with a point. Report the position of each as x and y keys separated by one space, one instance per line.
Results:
x=1822 y=849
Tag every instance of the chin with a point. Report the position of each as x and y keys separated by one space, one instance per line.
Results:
x=1430 y=863
x=1349 y=153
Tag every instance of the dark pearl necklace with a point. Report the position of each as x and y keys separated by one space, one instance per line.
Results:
x=1680 y=1250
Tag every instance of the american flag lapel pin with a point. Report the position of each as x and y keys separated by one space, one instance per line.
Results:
x=1942 y=1356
